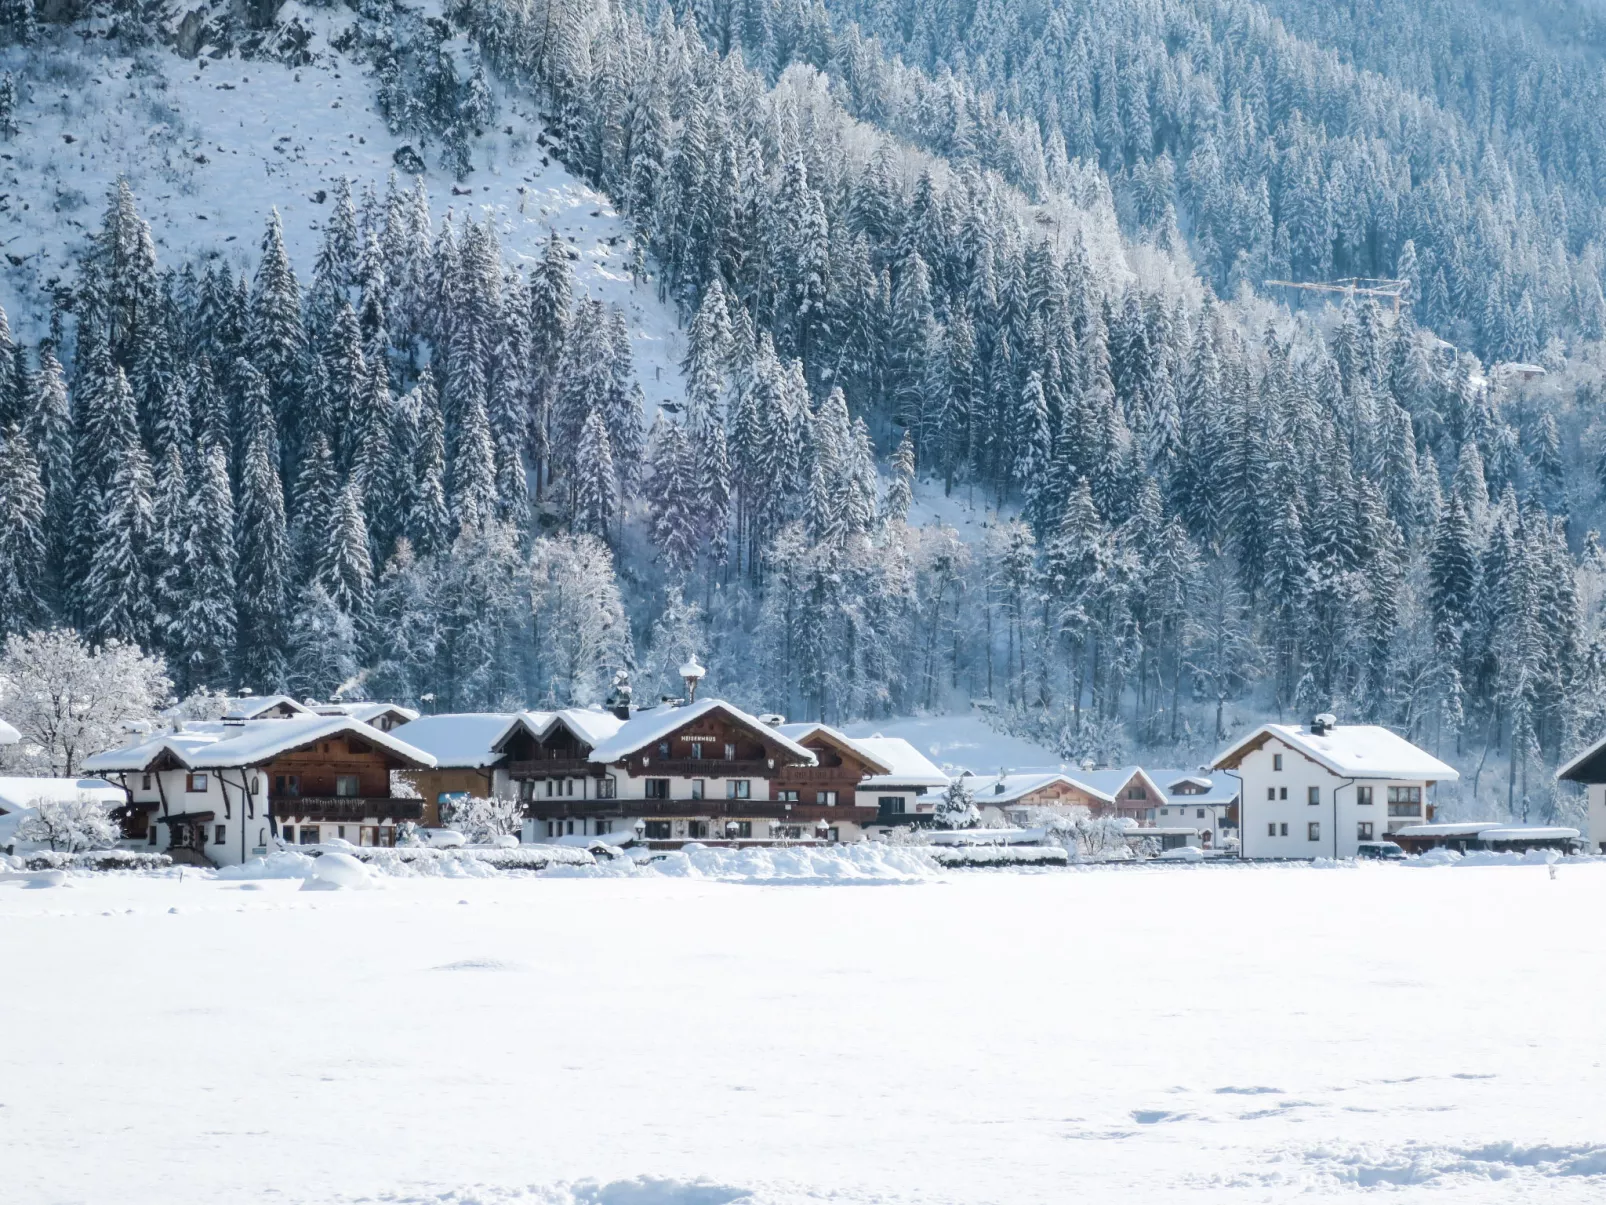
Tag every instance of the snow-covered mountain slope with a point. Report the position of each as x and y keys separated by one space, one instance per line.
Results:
x=210 y=144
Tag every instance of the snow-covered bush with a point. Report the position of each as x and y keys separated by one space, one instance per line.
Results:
x=957 y=808
x=70 y=700
x=483 y=820
x=70 y=826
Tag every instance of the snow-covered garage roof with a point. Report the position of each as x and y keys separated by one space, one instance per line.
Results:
x=460 y=740
x=19 y=793
x=1348 y=750
x=209 y=744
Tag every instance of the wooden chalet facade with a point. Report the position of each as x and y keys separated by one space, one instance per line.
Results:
x=221 y=792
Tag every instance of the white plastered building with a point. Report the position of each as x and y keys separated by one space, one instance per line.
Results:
x=1319 y=791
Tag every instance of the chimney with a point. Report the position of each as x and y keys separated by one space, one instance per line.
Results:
x=1323 y=723
x=620 y=703
x=691 y=674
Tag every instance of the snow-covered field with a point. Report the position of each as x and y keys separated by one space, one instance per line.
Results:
x=1177 y=1034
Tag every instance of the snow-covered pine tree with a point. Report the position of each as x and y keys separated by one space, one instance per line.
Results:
x=323 y=645
x=345 y=566
x=116 y=595
x=23 y=547
x=473 y=469
x=9 y=126
x=204 y=634
x=170 y=523
x=317 y=506
x=596 y=486
x=263 y=547
x=275 y=334
x=674 y=500
x=429 y=519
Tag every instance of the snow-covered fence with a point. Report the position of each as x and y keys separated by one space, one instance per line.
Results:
x=990 y=856
x=425 y=860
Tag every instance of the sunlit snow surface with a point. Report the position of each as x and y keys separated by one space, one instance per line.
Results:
x=1205 y=1034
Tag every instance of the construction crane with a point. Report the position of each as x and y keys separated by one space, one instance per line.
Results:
x=1354 y=286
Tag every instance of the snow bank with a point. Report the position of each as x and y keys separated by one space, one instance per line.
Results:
x=1483 y=857
x=286 y=864
x=1000 y=856
x=338 y=872
x=96 y=859
x=471 y=861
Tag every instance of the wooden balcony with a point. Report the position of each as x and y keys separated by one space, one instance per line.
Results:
x=704 y=767
x=356 y=808
x=546 y=767
x=745 y=809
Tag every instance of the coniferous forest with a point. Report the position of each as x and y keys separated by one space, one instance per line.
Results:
x=1001 y=259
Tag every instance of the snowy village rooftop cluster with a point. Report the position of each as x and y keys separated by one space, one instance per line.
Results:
x=270 y=772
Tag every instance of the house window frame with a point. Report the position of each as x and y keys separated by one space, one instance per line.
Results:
x=197 y=783
x=1313 y=830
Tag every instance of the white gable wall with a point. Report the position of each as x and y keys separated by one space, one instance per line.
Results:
x=1273 y=797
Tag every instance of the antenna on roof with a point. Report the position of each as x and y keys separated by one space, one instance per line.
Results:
x=691 y=674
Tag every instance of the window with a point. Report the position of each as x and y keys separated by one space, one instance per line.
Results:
x=730 y=752
x=568 y=828
x=826 y=797
x=309 y=834
x=346 y=786
x=1271 y=830
x=220 y=834
x=698 y=786
x=738 y=788
x=697 y=752
x=833 y=834
x=890 y=805
x=663 y=748
x=1276 y=761
x=790 y=832
x=340 y=831
x=656 y=830
x=1282 y=830
x=1165 y=811
x=1198 y=813
x=551 y=788
x=607 y=788
x=1282 y=792
x=1313 y=830
x=150 y=835
x=287 y=785
x=1363 y=830
x=1137 y=793
x=603 y=827
x=786 y=796
x=145 y=782
x=1405 y=801
x=1313 y=794
x=1363 y=796
x=1271 y=794
x=739 y=829
x=568 y=786
x=657 y=788
x=195 y=782
x=549 y=829
x=526 y=790
x=697 y=829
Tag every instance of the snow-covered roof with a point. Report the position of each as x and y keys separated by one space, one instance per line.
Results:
x=1528 y=832
x=8 y=734
x=1218 y=787
x=992 y=790
x=249 y=707
x=592 y=725
x=17 y=794
x=1348 y=750
x=1459 y=828
x=212 y=744
x=459 y=740
x=655 y=723
x=1108 y=784
x=1585 y=767
x=899 y=764
x=907 y=766
x=368 y=712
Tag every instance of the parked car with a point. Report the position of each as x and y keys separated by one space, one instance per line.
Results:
x=1383 y=851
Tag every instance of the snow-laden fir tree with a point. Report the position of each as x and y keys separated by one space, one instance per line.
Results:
x=262 y=545
x=23 y=550
x=204 y=633
x=596 y=488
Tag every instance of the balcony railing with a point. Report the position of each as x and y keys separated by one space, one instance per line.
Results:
x=346 y=807
x=705 y=767
x=761 y=809
x=543 y=767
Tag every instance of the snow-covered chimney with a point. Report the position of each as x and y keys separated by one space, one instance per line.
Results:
x=620 y=703
x=1320 y=725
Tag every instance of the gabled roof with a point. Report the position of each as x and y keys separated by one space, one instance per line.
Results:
x=217 y=745
x=460 y=740
x=368 y=712
x=1219 y=787
x=1588 y=766
x=833 y=736
x=1347 y=750
x=1108 y=784
x=591 y=725
x=1007 y=788
x=908 y=767
x=250 y=707
x=653 y=724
